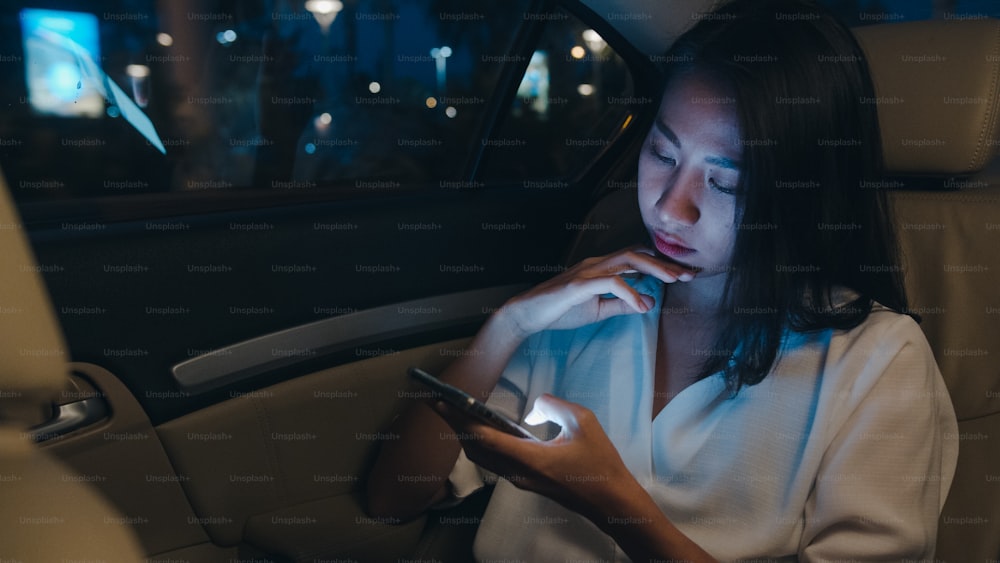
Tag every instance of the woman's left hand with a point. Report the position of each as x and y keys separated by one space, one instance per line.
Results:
x=580 y=468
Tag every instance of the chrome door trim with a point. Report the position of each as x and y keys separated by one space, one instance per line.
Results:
x=70 y=417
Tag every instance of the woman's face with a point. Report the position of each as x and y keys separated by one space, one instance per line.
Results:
x=688 y=173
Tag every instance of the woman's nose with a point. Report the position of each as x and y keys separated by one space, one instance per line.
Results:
x=677 y=203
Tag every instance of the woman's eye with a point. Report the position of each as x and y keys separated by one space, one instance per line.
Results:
x=654 y=149
x=664 y=158
x=724 y=189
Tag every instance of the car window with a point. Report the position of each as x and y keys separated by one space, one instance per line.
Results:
x=574 y=97
x=117 y=98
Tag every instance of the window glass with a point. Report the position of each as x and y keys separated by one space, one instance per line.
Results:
x=575 y=95
x=131 y=96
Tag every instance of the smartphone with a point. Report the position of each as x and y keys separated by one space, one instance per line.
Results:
x=469 y=405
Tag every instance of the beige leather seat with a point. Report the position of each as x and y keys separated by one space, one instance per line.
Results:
x=947 y=129
x=939 y=109
x=47 y=514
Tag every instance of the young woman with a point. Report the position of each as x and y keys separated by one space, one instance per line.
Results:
x=749 y=385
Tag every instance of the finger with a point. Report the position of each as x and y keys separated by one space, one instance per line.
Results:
x=470 y=428
x=647 y=261
x=642 y=260
x=489 y=447
x=608 y=307
x=616 y=286
x=466 y=427
x=549 y=408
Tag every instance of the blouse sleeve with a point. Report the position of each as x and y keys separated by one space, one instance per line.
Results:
x=884 y=477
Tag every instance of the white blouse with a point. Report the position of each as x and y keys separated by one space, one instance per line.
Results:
x=845 y=451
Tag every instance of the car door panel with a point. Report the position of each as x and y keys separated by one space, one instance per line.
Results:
x=283 y=467
x=122 y=456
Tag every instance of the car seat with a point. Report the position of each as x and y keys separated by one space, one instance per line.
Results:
x=48 y=513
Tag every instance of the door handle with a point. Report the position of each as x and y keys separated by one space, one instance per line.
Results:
x=70 y=417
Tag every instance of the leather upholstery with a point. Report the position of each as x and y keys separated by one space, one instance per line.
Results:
x=936 y=85
x=32 y=350
x=283 y=468
x=48 y=512
x=952 y=275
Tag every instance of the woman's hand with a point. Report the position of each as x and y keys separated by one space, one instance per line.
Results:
x=581 y=470
x=574 y=298
x=578 y=468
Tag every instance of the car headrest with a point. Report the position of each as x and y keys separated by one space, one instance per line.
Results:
x=936 y=87
x=33 y=359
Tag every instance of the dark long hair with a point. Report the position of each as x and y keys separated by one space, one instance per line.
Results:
x=811 y=212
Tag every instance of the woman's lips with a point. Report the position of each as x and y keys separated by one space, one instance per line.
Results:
x=672 y=247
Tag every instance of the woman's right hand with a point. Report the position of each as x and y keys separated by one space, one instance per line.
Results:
x=580 y=295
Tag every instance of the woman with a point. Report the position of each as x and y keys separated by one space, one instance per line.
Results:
x=749 y=386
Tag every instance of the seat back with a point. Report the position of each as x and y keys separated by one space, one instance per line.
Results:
x=32 y=352
x=47 y=512
x=937 y=83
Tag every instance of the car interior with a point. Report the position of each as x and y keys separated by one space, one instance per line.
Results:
x=207 y=379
